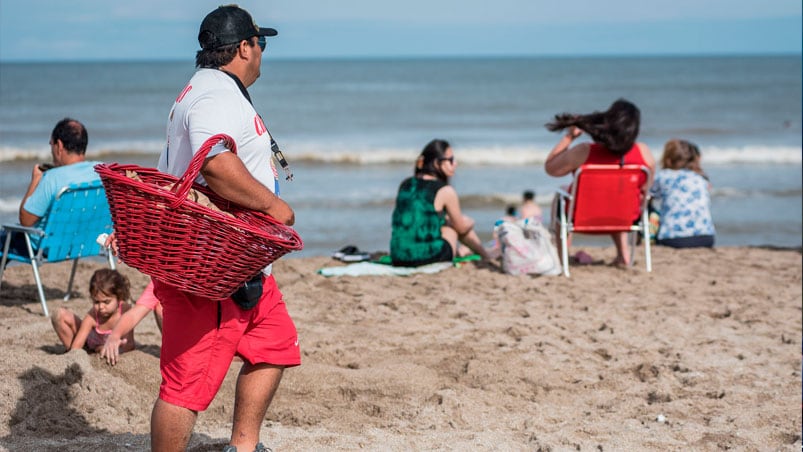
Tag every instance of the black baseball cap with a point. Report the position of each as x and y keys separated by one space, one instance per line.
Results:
x=229 y=24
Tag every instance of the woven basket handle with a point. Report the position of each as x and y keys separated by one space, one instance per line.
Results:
x=185 y=183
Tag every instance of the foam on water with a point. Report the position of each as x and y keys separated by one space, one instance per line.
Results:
x=352 y=129
x=469 y=155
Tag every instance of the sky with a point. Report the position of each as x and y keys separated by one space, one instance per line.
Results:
x=78 y=30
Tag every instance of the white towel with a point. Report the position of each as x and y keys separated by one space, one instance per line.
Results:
x=373 y=268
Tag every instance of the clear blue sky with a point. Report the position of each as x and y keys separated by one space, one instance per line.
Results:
x=47 y=30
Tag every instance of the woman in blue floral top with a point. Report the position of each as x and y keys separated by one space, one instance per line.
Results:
x=683 y=194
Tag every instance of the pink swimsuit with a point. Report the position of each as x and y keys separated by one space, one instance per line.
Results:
x=97 y=337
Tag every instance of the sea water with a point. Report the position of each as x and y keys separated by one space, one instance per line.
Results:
x=351 y=130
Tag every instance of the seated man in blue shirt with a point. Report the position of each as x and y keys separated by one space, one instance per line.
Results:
x=68 y=143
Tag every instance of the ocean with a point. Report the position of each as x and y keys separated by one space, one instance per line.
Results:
x=351 y=130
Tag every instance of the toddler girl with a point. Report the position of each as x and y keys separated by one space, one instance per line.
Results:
x=109 y=290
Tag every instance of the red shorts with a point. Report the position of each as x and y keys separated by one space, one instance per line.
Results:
x=200 y=338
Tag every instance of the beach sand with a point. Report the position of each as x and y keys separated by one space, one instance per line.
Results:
x=704 y=353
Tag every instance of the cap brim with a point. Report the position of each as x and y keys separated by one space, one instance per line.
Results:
x=267 y=32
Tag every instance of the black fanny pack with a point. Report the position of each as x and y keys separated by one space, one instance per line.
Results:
x=248 y=295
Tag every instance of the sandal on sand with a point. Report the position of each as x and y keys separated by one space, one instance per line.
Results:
x=348 y=249
x=351 y=253
x=260 y=448
x=356 y=257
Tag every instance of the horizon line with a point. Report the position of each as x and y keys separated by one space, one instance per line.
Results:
x=428 y=57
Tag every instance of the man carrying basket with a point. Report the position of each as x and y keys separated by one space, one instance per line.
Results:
x=202 y=336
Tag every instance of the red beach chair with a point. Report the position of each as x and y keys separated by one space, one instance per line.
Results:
x=605 y=199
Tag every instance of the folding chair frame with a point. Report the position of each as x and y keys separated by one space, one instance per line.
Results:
x=567 y=221
x=76 y=201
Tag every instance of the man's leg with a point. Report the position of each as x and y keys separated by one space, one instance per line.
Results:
x=256 y=386
x=171 y=427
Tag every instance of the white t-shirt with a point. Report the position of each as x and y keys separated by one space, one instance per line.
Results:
x=211 y=104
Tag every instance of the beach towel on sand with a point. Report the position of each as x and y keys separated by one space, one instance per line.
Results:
x=374 y=268
x=382 y=266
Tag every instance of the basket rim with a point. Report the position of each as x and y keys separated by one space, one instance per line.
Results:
x=113 y=177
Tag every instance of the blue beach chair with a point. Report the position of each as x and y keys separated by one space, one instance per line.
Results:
x=68 y=231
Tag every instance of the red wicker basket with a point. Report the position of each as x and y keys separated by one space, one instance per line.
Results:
x=185 y=244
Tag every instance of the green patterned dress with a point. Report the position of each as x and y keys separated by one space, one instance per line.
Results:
x=416 y=225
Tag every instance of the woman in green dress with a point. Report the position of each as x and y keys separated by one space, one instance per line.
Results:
x=428 y=225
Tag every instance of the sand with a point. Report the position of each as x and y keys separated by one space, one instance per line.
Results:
x=704 y=353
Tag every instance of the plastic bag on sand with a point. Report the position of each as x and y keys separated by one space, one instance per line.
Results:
x=527 y=248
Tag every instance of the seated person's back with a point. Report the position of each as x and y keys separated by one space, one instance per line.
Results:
x=68 y=142
x=614 y=133
x=427 y=224
x=529 y=208
x=416 y=235
x=681 y=190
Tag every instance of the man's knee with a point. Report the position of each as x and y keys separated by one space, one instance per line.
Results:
x=265 y=368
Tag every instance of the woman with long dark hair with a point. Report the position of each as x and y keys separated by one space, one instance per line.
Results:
x=614 y=134
x=428 y=225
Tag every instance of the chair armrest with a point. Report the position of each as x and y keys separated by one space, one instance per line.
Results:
x=25 y=229
x=563 y=193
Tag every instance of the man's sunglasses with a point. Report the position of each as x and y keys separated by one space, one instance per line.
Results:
x=262 y=42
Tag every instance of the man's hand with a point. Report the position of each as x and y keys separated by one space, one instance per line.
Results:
x=108 y=241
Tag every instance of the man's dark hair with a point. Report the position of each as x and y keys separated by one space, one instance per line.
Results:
x=72 y=135
x=219 y=56
x=528 y=195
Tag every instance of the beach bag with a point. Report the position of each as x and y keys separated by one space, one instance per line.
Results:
x=527 y=248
